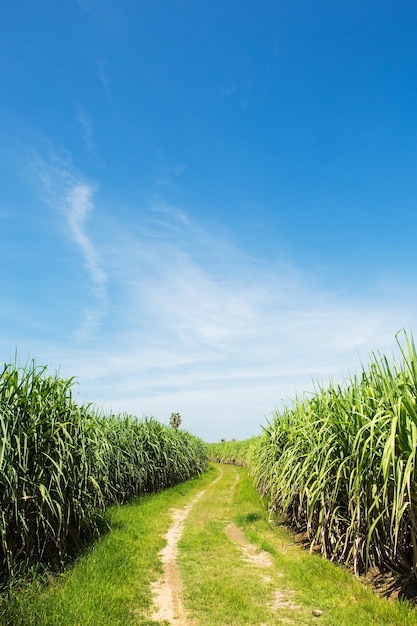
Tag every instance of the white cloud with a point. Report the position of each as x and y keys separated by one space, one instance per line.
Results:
x=86 y=128
x=67 y=191
x=78 y=201
x=222 y=342
x=175 y=215
x=102 y=70
x=197 y=326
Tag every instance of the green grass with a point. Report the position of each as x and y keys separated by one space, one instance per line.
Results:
x=110 y=584
x=234 y=452
x=340 y=465
x=222 y=589
x=62 y=464
x=219 y=589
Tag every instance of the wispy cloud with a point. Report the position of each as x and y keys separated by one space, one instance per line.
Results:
x=86 y=128
x=67 y=191
x=103 y=74
x=203 y=330
x=175 y=217
x=168 y=175
x=198 y=326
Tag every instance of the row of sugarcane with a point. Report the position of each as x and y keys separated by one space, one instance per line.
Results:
x=340 y=465
x=231 y=452
x=62 y=465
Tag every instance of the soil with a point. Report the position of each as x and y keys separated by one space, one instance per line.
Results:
x=167 y=590
x=259 y=558
x=251 y=554
x=384 y=584
x=167 y=603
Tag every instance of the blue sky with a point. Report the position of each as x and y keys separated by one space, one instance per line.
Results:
x=206 y=206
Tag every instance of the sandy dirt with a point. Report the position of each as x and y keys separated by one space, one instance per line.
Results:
x=167 y=590
x=251 y=553
x=259 y=558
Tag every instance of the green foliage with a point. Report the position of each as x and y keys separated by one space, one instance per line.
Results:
x=341 y=466
x=175 y=420
x=111 y=582
x=221 y=586
x=233 y=452
x=62 y=464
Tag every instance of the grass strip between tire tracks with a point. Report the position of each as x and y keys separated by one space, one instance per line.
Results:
x=221 y=588
x=111 y=583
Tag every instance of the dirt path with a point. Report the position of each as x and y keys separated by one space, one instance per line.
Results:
x=167 y=590
x=225 y=562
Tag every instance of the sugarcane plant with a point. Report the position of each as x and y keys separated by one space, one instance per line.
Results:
x=340 y=464
x=62 y=464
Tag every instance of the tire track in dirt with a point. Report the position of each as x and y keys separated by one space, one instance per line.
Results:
x=259 y=558
x=166 y=591
x=251 y=553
